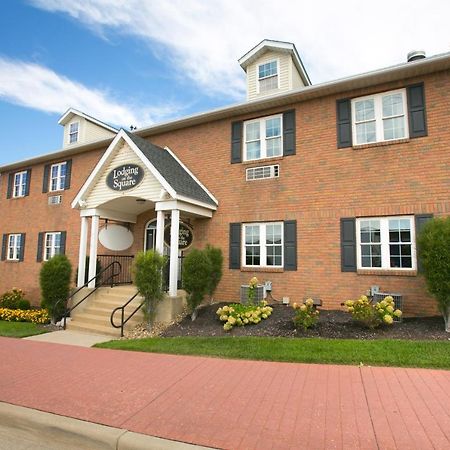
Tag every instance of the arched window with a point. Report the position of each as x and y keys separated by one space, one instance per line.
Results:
x=150 y=235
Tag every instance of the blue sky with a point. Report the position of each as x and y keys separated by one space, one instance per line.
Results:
x=146 y=61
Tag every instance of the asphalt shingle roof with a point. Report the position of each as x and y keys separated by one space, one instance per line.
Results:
x=171 y=170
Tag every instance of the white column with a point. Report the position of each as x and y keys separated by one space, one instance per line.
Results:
x=173 y=269
x=160 y=216
x=93 y=250
x=82 y=252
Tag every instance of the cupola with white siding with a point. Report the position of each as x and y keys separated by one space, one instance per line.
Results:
x=273 y=67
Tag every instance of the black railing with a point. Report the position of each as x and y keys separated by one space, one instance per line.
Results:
x=123 y=321
x=114 y=269
x=166 y=274
x=125 y=261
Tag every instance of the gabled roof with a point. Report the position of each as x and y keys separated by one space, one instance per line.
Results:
x=276 y=46
x=67 y=116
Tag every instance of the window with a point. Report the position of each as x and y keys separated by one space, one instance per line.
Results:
x=260 y=173
x=268 y=76
x=73 y=132
x=380 y=117
x=263 y=138
x=14 y=247
x=20 y=184
x=386 y=243
x=52 y=245
x=58 y=176
x=263 y=244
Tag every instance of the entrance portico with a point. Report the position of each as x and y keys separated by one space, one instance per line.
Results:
x=133 y=177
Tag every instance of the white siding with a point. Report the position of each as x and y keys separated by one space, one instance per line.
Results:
x=149 y=188
x=87 y=132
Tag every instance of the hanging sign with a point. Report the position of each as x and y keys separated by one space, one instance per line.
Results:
x=125 y=177
x=185 y=236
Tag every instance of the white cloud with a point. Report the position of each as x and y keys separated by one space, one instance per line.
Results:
x=38 y=87
x=204 y=38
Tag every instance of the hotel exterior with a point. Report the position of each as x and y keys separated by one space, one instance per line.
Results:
x=320 y=189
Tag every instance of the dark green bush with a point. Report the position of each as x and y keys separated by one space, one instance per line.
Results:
x=14 y=299
x=196 y=277
x=434 y=252
x=216 y=259
x=148 y=267
x=55 y=277
x=23 y=304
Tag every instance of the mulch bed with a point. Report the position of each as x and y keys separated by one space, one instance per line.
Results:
x=332 y=324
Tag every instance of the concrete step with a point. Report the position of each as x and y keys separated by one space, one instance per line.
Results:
x=94 y=328
x=101 y=311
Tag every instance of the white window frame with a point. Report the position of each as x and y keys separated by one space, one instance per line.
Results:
x=269 y=76
x=51 y=250
x=384 y=240
x=262 y=244
x=262 y=137
x=22 y=185
x=60 y=186
x=15 y=247
x=74 y=133
x=378 y=107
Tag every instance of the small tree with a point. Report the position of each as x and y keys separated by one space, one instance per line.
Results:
x=147 y=268
x=196 y=274
x=216 y=259
x=54 y=278
x=434 y=250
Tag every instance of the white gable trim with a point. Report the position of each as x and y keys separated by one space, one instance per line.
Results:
x=192 y=175
x=77 y=202
x=63 y=120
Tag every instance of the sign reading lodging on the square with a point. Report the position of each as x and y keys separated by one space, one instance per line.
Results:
x=185 y=236
x=125 y=177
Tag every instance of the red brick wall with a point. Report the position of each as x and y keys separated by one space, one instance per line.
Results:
x=317 y=186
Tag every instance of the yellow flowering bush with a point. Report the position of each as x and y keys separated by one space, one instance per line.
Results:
x=306 y=315
x=373 y=315
x=29 y=315
x=253 y=283
x=14 y=299
x=239 y=315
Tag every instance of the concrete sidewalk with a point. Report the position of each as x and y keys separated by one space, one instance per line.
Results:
x=70 y=337
x=228 y=403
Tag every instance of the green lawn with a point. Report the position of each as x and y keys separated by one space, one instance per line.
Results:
x=20 y=329
x=330 y=351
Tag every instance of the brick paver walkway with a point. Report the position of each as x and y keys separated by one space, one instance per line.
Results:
x=232 y=404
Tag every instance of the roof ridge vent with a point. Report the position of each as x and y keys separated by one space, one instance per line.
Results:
x=415 y=55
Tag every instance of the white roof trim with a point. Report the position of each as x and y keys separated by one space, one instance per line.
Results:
x=104 y=159
x=63 y=121
x=175 y=157
x=250 y=56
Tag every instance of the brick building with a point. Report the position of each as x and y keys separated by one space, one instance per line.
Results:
x=320 y=189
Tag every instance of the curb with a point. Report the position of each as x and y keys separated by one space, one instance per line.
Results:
x=74 y=434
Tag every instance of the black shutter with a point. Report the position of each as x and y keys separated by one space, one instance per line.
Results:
x=290 y=245
x=236 y=142
x=344 y=123
x=22 y=247
x=4 y=246
x=68 y=173
x=421 y=220
x=45 y=180
x=348 y=245
x=9 y=192
x=289 y=133
x=27 y=185
x=63 y=242
x=40 y=247
x=235 y=246
x=416 y=111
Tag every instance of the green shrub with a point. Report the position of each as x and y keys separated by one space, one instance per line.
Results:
x=196 y=273
x=216 y=259
x=14 y=299
x=55 y=277
x=147 y=268
x=434 y=251
x=306 y=315
x=237 y=314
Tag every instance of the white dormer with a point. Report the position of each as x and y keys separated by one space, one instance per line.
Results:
x=273 y=67
x=79 y=128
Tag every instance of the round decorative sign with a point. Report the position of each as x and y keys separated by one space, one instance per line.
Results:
x=185 y=236
x=125 y=177
x=116 y=237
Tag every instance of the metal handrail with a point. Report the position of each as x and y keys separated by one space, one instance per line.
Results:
x=123 y=321
x=111 y=277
